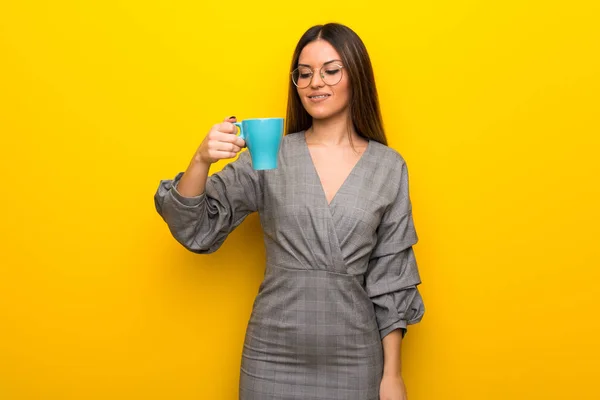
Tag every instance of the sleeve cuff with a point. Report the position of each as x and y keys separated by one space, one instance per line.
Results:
x=185 y=201
x=397 y=325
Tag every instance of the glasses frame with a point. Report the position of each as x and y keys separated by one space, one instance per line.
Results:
x=321 y=74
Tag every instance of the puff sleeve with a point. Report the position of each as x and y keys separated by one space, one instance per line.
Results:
x=202 y=223
x=392 y=275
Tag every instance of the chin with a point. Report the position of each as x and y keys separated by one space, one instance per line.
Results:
x=320 y=113
x=324 y=114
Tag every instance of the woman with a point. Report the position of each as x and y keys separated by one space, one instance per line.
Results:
x=341 y=278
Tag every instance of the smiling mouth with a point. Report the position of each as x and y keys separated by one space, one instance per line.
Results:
x=321 y=96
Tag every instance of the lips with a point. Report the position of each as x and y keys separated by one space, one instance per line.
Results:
x=318 y=97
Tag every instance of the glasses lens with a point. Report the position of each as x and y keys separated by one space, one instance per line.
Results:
x=302 y=76
x=332 y=74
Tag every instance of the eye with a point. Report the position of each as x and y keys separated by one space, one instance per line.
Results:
x=332 y=71
x=304 y=73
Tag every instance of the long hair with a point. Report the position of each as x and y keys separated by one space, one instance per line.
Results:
x=365 y=114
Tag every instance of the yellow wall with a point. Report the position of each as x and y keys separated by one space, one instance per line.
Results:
x=494 y=105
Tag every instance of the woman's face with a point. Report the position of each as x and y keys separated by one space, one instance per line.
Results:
x=320 y=100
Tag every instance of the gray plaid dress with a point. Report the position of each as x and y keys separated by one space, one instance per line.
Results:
x=338 y=278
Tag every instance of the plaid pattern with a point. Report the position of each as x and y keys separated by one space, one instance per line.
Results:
x=339 y=276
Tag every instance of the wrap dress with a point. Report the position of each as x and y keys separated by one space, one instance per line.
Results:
x=338 y=276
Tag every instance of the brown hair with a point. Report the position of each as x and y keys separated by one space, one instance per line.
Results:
x=364 y=103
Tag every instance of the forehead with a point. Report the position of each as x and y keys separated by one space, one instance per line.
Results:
x=318 y=52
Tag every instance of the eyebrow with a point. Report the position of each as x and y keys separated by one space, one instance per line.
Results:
x=325 y=63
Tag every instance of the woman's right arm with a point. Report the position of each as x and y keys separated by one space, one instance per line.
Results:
x=220 y=143
x=201 y=211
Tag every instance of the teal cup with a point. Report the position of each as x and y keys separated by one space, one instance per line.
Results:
x=263 y=139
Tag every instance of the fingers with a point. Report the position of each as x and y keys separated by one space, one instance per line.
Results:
x=226 y=127
x=221 y=142
x=227 y=132
x=238 y=141
x=229 y=138
x=214 y=149
x=227 y=147
x=219 y=155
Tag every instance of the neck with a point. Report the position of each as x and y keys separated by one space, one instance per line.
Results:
x=332 y=131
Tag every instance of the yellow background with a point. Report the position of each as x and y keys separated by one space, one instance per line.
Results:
x=494 y=105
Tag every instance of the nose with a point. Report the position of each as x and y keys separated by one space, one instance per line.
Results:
x=317 y=80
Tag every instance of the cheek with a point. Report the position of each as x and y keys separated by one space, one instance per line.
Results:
x=344 y=86
x=301 y=94
x=344 y=91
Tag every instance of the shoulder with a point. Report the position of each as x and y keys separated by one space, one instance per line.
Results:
x=391 y=171
x=388 y=167
x=292 y=138
x=386 y=157
x=292 y=143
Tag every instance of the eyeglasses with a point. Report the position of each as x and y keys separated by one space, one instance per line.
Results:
x=331 y=74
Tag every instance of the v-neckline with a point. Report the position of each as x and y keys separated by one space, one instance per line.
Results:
x=318 y=178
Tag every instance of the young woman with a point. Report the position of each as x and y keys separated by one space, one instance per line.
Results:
x=341 y=278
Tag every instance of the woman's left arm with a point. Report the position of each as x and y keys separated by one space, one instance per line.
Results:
x=392 y=278
x=392 y=385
